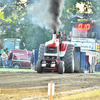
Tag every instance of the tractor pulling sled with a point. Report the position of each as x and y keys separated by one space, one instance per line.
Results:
x=78 y=55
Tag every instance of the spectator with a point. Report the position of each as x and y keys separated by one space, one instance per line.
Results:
x=4 y=59
x=32 y=59
x=6 y=50
x=25 y=49
x=69 y=36
x=94 y=35
x=10 y=59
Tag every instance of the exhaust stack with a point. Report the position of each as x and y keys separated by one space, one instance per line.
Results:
x=54 y=36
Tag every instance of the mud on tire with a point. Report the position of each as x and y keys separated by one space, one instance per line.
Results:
x=69 y=59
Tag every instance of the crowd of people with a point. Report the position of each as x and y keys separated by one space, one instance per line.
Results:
x=5 y=57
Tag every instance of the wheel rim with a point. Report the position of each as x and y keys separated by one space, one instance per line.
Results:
x=16 y=66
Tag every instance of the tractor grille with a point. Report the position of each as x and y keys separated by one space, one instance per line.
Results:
x=49 y=62
x=50 y=49
x=50 y=57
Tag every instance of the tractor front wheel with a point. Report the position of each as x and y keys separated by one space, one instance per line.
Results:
x=61 y=67
x=38 y=66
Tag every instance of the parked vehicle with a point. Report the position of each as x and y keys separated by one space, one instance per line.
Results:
x=7 y=44
x=21 y=58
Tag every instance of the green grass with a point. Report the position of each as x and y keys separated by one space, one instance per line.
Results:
x=22 y=69
x=97 y=72
x=13 y=69
x=86 y=95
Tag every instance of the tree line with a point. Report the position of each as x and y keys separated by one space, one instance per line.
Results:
x=14 y=22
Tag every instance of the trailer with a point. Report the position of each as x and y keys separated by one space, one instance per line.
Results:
x=84 y=36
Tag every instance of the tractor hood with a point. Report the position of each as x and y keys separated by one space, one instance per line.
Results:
x=52 y=43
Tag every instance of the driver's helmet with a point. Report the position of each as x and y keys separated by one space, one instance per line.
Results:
x=57 y=35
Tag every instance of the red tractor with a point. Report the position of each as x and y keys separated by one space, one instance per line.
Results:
x=56 y=55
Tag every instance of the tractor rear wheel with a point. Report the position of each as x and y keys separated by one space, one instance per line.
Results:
x=69 y=59
x=39 y=69
x=61 y=67
x=41 y=52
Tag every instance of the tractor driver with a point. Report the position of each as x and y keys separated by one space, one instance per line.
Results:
x=69 y=36
x=57 y=35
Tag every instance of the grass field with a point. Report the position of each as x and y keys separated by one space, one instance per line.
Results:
x=13 y=69
x=21 y=69
x=86 y=95
x=97 y=72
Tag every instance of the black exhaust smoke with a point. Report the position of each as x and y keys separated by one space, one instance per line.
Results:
x=55 y=11
x=46 y=13
x=54 y=32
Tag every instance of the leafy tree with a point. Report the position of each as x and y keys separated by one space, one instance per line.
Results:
x=15 y=23
x=33 y=35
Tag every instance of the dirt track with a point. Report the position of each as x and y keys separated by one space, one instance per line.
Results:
x=19 y=85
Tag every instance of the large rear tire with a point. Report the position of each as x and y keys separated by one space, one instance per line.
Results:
x=41 y=52
x=69 y=59
x=61 y=67
x=40 y=55
x=39 y=69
